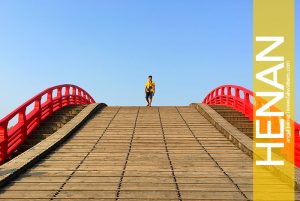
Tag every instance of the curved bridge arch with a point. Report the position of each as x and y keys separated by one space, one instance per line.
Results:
x=43 y=105
x=236 y=97
x=241 y=99
x=176 y=146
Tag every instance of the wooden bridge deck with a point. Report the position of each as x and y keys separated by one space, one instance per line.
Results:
x=139 y=153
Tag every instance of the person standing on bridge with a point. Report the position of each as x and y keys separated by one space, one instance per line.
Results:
x=149 y=90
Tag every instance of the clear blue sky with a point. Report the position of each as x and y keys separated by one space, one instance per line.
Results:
x=109 y=47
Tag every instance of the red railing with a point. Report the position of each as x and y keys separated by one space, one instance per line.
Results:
x=233 y=96
x=241 y=99
x=29 y=115
x=297 y=144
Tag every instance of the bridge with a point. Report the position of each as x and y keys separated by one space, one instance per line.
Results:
x=65 y=146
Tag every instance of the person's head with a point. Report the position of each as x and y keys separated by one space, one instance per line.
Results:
x=150 y=77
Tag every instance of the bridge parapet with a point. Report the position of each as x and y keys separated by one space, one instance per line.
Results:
x=241 y=99
x=30 y=114
x=233 y=96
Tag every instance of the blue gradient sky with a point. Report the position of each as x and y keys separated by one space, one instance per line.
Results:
x=109 y=47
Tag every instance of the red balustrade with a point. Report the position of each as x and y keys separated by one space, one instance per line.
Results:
x=241 y=99
x=297 y=144
x=233 y=96
x=30 y=114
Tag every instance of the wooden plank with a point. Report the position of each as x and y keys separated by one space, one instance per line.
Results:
x=98 y=162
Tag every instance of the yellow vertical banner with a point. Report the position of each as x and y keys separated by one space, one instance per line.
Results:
x=273 y=144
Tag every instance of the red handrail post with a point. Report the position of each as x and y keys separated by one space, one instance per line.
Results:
x=213 y=96
x=74 y=95
x=59 y=97
x=23 y=124
x=78 y=96
x=246 y=103
x=72 y=98
x=84 y=97
x=49 y=102
x=236 y=97
x=3 y=140
x=228 y=95
x=217 y=96
x=67 y=94
x=222 y=95
x=37 y=109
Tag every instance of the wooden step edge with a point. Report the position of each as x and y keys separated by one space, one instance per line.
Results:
x=27 y=159
x=242 y=141
x=226 y=128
